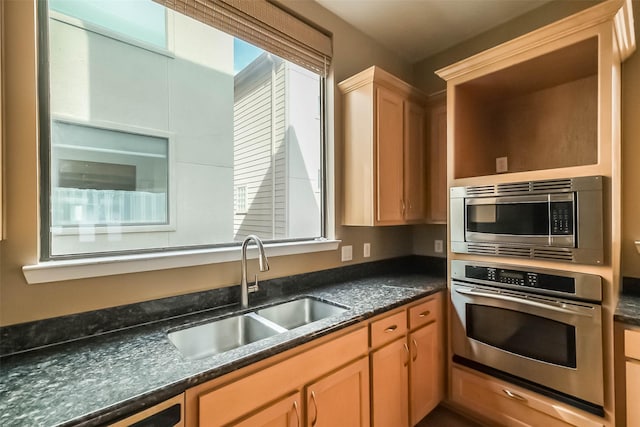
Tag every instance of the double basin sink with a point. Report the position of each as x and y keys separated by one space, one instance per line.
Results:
x=226 y=334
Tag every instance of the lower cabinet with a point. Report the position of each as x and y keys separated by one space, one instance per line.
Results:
x=384 y=372
x=284 y=412
x=390 y=384
x=340 y=398
x=632 y=373
x=427 y=371
x=324 y=384
x=504 y=404
x=407 y=373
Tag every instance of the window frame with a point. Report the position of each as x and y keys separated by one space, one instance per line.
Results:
x=84 y=265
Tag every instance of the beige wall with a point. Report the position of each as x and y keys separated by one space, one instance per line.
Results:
x=20 y=302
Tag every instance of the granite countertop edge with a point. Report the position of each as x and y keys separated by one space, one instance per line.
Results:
x=628 y=310
x=22 y=375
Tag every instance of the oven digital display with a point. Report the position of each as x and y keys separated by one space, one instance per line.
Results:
x=511 y=274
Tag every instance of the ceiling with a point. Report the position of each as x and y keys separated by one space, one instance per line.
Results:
x=417 y=29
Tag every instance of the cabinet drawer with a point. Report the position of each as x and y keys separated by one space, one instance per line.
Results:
x=509 y=405
x=632 y=344
x=389 y=328
x=425 y=312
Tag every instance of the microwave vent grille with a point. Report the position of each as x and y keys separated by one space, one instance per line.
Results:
x=516 y=187
x=480 y=190
x=481 y=249
x=514 y=251
x=554 y=254
x=553 y=185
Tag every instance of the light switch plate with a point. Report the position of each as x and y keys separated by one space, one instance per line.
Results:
x=347 y=253
x=437 y=246
x=366 y=250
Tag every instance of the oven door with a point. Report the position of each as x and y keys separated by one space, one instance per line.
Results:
x=556 y=344
x=540 y=220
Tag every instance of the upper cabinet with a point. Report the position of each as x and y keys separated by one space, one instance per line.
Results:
x=437 y=160
x=384 y=155
x=545 y=101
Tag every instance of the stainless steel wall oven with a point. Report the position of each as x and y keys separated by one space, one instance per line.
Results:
x=539 y=328
x=556 y=219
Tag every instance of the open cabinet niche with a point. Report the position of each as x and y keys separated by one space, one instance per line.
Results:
x=539 y=114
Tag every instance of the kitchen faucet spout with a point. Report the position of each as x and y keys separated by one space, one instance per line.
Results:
x=263 y=264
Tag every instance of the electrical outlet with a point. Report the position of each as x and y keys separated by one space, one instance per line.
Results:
x=501 y=165
x=366 y=250
x=437 y=246
x=347 y=253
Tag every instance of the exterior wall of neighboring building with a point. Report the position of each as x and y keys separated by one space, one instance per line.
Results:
x=183 y=96
x=276 y=153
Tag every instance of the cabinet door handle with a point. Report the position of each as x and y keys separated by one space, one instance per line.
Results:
x=402 y=206
x=297 y=411
x=424 y=313
x=391 y=328
x=415 y=345
x=513 y=395
x=315 y=409
x=406 y=348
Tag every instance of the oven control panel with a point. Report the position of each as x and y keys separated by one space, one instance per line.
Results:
x=521 y=278
x=535 y=280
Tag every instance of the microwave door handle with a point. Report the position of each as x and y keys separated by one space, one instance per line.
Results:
x=524 y=301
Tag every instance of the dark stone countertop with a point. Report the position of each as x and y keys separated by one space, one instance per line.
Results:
x=628 y=310
x=93 y=380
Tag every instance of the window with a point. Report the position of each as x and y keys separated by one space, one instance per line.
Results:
x=148 y=151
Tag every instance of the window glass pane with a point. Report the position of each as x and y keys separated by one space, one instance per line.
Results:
x=148 y=151
x=139 y=19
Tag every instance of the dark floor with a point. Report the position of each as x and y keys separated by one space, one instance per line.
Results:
x=445 y=417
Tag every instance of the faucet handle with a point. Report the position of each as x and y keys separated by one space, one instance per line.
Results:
x=254 y=287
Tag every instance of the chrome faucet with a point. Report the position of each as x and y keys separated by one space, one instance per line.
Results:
x=245 y=289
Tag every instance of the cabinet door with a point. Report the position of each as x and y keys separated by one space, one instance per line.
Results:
x=425 y=371
x=282 y=413
x=341 y=398
x=633 y=393
x=414 y=161
x=389 y=157
x=437 y=187
x=390 y=388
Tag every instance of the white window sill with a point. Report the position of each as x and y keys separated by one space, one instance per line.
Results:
x=55 y=271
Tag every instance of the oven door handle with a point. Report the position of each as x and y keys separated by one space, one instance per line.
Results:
x=547 y=305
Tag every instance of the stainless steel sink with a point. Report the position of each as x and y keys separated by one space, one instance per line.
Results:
x=299 y=312
x=226 y=334
x=221 y=335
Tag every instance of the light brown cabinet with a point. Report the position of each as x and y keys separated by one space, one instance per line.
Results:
x=437 y=161
x=316 y=384
x=407 y=374
x=340 y=398
x=390 y=385
x=501 y=403
x=384 y=154
x=632 y=374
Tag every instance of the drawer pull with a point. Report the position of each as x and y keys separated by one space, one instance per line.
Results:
x=425 y=313
x=295 y=406
x=315 y=407
x=406 y=348
x=391 y=328
x=513 y=395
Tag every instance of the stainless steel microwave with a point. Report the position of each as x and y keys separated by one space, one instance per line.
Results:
x=557 y=219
